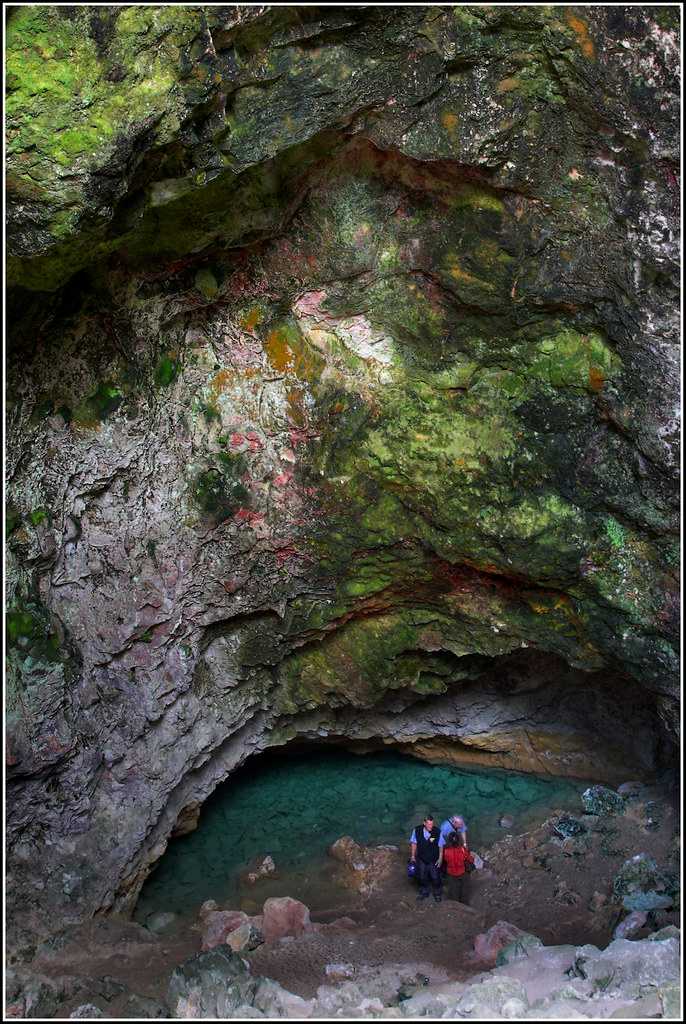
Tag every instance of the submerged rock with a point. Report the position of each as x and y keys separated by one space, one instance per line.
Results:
x=367 y=868
x=160 y=922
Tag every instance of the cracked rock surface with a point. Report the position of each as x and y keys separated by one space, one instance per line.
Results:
x=342 y=398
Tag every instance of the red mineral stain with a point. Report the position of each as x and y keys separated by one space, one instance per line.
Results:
x=254 y=441
x=283 y=478
x=285 y=553
x=596 y=378
x=237 y=440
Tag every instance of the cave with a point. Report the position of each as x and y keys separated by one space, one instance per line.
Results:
x=342 y=399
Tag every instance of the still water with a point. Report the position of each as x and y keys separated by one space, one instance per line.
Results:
x=294 y=806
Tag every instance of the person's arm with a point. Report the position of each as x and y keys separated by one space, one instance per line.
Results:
x=413 y=847
x=441 y=844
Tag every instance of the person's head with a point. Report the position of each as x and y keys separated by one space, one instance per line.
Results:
x=457 y=822
x=453 y=839
x=429 y=822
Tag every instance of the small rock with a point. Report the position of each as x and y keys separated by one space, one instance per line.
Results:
x=575 y=846
x=669 y=932
x=518 y=949
x=564 y=894
x=643 y=901
x=207 y=907
x=218 y=925
x=568 y=827
x=142 y=1008
x=246 y=936
x=108 y=987
x=630 y=925
x=88 y=1011
x=160 y=921
x=262 y=870
x=602 y=801
x=337 y=972
x=630 y=789
x=597 y=900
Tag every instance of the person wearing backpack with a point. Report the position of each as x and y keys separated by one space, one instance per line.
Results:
x=426 y=848
x=458 y=861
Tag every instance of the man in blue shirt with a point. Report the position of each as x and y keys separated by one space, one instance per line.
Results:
x=426 y=850
x=455 y=823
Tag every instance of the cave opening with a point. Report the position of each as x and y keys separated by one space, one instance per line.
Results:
x=293 y=803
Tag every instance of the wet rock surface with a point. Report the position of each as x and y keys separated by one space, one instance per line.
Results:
x=341 y=404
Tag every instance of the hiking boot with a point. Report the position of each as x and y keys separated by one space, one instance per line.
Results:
x=438 y=899
x=422 y=896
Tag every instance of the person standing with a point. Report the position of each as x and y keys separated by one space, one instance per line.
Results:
x=426 y=849
x=456 y=856
x=455 y=823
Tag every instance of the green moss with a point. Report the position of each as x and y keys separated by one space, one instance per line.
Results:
x=13 y=519
x=361 y=661
x=105 y=400
x=476 y=197
x=28 y=630
x=218 y=490
x=615 y=532
x=206 y=283
x=38 y=516
x=166 y=371
x=209 y=410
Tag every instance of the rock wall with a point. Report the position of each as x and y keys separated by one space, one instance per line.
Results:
x=342 y=398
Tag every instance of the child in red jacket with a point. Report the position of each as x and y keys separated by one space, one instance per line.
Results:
x=456 y=855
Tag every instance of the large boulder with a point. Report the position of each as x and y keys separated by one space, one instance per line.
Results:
x=281 y=916
x=502 y=935
x=212 y=984
x=627 y=967
x=365 y=868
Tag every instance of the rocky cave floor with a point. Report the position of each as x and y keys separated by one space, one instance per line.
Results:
x=562 y=890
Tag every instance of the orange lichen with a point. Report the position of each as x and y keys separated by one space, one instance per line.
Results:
x=279 y=352
x=507 y=85
x=296 y=409
x=596 y=378
x=580 y=30
x=252 y=318
x=449 y=121
x=459 y=274
x=220 y=382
